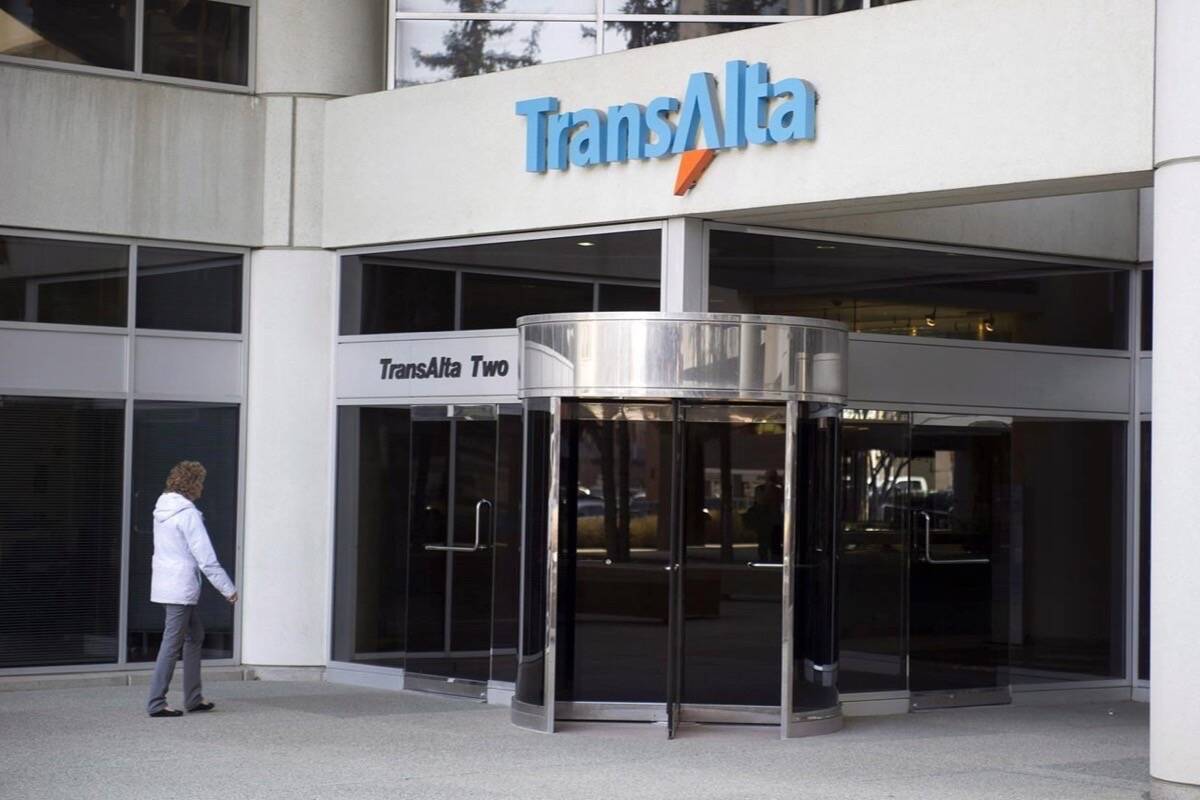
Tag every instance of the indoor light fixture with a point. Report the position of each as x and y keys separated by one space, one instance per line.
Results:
x=827 y=247
x=586 y=244
x=931 y=319
x=989 y=325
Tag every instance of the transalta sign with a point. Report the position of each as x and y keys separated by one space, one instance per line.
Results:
x=754 y=111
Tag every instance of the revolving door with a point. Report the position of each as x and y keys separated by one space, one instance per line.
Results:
x=680 y=513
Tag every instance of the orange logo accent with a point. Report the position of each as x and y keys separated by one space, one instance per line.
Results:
x=691 y=166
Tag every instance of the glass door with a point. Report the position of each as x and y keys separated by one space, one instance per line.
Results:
x=451 y=530
x=957 y=491
x=731 y=580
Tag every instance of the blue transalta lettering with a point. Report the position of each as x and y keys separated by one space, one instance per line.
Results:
x=667 y=126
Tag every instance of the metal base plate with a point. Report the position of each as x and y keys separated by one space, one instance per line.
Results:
x=989 y=696
x=437 y=684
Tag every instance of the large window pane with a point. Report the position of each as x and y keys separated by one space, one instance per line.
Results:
x=198 y=39
x=631 y=35
x=98 y=34
x=495 y=301
x=741 y=7
x=379 y=296
x=909 y=292
x=60 y=530
x=189 y=290
x=618 y=297
x=163 y=435
x=370 y=561
x=1147 y=337
x=67 y=283
x=503 y=6
x=434 y=50
x=1068 y=540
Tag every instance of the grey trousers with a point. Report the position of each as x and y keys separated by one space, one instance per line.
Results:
x=184 y=632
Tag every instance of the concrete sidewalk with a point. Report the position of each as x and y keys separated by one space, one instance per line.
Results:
x=314 y=740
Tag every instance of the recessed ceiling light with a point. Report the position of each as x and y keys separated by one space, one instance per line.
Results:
x=827 y=247
x=586 y=244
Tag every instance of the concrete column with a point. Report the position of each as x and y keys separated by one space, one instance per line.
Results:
x=1175 y=563
x=684 y=266
x=286 y=571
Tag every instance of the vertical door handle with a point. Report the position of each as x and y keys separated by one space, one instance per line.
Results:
x=478 y=545
x=928 y=548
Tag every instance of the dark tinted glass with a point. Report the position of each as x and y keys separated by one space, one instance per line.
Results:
x=618 y=297
x=371 y=538
x=68 y=283
x=906 y=292
x=872 y=552
x=531 y=667
x=1144 y=559
x=189 y=290
x=98 y=34
x=506 y=581
x=380 y=297
x=495 y=301
x=1147 y=309
x=732 y=516
x=163 y=435
x=60 y=530
x=198 y=39
x=1069 y=529
x=614 y=545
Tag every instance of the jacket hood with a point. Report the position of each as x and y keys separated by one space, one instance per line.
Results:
x=169 y=504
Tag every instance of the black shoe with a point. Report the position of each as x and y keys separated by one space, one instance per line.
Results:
x=167 y=712
x=201 y=707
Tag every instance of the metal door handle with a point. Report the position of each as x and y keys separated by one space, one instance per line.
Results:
x=458 y=548
x=764 y=565
x=928 y=549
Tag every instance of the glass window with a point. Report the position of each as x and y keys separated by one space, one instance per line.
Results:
x=740 y=7
x=502 y=6
x=60 y=530
x=62 y=282
x=495 y=301
x=163 y=435
x=69 y=31
x=433 y=50
x=619 y=297
x=1147 y=309
x=379 y=296
x=371 y=536
x=1144 y=559
x=634 y=34
x=1068 y=540
x=909 y=292
x=198 y=39
x=189 y=290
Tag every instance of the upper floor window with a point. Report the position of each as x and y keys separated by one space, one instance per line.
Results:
x=187 y=40
x=434 y=40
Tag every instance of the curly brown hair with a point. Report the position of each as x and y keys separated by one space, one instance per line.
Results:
x=187 y=478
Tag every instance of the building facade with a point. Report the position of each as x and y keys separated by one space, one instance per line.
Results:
x=293 y=240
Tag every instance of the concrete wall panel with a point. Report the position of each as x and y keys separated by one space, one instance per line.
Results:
x=328 y=48
x=914 y=98
x=135 y=158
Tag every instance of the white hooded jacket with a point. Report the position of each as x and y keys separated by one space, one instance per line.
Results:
x=182 y=551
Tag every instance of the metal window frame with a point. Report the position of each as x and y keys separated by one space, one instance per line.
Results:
x=130 y=397
x=137 y=72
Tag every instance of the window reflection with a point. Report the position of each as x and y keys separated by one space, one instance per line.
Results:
x=69 y=31
x=197 y=39
x=63 y=282
x=632 y=35
x=434 y=50
x=738 y=7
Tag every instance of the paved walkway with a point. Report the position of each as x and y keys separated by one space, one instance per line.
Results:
x=309 y=740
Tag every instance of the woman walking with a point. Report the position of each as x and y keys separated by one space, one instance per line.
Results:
x=182 y=551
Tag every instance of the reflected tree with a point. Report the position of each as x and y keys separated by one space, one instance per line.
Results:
x=467 y=46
